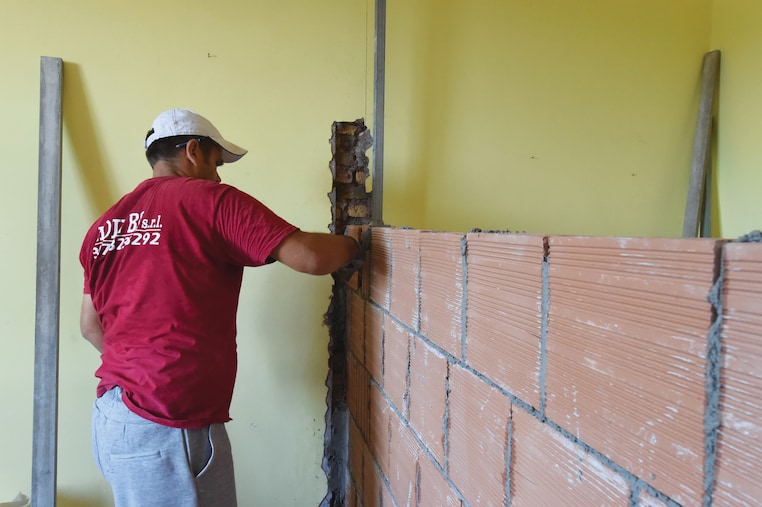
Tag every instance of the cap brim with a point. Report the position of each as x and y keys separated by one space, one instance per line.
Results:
x=230 y=152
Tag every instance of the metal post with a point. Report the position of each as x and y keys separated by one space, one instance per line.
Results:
x=378 y=114
x=45 y=420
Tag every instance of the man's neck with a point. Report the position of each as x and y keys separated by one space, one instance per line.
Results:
x=166 y=168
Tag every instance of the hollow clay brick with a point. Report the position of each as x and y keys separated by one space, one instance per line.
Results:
x=372 y=480
x=478 y=438
x=442 y=290
x=356 y=332
x=351 y=494
x=432 y=487
x=355 y=456
x=404 y=453
x=380 y=428
x=374 y=332
x=358 y=394
x=380 y=266
x=548 y=469
x=404 y=284
x=396 y=361
x=647 y=500
x=504 y=310
x=428 y=395
x=739 y=451
x=626 y=345
x=386 y=497
x=364 y=272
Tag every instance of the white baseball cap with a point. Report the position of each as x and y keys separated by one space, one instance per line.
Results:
x=184 y=122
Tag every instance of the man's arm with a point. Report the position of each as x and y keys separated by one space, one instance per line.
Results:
x=90 y=324
x=315 y=253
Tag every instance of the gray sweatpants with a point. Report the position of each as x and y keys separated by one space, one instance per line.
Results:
x=150 y=464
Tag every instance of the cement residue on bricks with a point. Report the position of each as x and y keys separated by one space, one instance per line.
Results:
x=433 y=488
x=478 y=438
x=626 y=353
x=405 y=285
x=428 y=396
x=396 y=363
x=442 y=290
x=548 y=469
x=404 y=453
x=504 y=310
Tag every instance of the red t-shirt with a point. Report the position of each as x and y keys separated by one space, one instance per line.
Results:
x=164 y=268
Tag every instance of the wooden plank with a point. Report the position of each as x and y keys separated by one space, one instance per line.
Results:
x=45 y=420
x=706 y=205
x=701 y=144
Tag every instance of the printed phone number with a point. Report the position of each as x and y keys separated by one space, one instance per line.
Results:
x=120 y=242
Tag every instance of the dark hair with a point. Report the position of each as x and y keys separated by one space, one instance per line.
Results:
x=166 y=147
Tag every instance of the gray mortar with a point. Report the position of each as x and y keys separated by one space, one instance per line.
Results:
x=406 y=397
x=463 y=296
x=544 y=326
x=635 y=483
x=752 y=237
x=426 y=451
x=713 y=370
x=488 y=231
x=634 y=497
x=446 y=422
x=335 y=441
x=713 y=363
x=508 y=458
x=417 y=320
x=418 y=483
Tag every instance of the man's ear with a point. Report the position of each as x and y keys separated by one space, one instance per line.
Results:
x=193 y=152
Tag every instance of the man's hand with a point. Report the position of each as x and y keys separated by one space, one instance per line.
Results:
x=363 y=246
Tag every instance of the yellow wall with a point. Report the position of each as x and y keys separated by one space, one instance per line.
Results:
x=272 y=76
x=565 y=117
x=736 y=32
x=546 y=116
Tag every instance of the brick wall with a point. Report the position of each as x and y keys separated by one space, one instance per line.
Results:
x=521 y=370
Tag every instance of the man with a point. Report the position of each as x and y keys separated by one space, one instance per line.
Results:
x=163 y=270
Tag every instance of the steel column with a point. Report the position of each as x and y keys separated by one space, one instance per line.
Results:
x=378 y=114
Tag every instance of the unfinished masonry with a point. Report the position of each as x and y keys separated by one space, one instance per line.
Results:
x=350 y=208
x=511 y=369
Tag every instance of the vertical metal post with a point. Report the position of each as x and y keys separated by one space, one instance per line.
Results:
x=701 y=144
x=378 y=114
x=45 y=420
